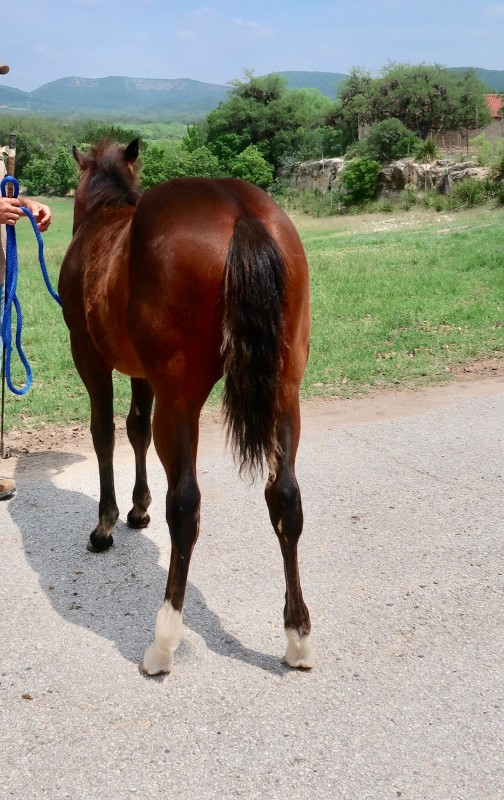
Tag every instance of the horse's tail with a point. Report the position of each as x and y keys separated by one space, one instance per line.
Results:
x=253 y=344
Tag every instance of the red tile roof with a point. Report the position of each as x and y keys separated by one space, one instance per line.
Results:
x=494 y=103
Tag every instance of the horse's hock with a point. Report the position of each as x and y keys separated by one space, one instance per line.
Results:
x=325 y=175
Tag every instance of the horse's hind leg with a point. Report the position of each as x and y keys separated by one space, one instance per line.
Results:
x=284 y=504
x=138 y=425
x=176 y=440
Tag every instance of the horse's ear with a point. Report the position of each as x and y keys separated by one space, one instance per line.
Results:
x=81 y=159
x=131 y=152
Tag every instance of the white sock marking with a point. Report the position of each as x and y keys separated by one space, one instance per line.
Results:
x=158 y=657
x=300 y=652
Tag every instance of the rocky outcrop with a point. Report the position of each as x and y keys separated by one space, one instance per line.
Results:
x=395 y=177
x=322 y=175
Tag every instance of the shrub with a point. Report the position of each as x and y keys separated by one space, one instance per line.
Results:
x=467 y=193
x=387 y=140
x=310 y=201
x=483 y=147
x=433 y=200
x=35 y=177
x=499 y=193
x=427 y=150
x=409 y=198
x=359 y=180
x=250 y=165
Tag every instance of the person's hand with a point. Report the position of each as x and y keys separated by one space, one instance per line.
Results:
x=41 y=213
x=9 y=210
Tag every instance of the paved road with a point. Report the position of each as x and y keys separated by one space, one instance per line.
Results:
x=402 y=569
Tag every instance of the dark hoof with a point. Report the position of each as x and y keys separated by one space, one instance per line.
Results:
x=137 y=522
x=97 y=544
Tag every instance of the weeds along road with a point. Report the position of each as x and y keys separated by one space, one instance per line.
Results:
x=401 y=562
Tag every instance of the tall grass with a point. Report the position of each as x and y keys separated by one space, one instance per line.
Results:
x=394 y=300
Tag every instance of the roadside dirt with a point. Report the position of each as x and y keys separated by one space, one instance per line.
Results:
x=372 y=405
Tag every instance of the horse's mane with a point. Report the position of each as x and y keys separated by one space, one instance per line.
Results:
x=111 y=181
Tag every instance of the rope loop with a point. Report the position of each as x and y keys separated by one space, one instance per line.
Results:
x=11 y=299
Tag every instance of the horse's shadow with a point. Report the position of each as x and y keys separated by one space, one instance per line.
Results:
x=114 y=594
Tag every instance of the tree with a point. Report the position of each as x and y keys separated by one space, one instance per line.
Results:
x=426 y=99
x=278 y=121
x=360 y=180
x=171 y=160
x=251 y=166
x=62 y=175
x=36 y=176
x=389 y=139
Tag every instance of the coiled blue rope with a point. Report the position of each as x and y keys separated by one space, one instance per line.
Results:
x=11 y=299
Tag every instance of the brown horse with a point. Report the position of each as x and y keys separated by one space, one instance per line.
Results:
x=194 y=279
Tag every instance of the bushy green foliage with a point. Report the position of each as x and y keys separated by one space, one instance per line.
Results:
x=57 y=175
x=360 y=180
x=36 y=176
x=250 y=165
x=427 y=150
x=423 y=97
x=433 y=200
x=172 y=160
x=468 y=193
x=261 y=111
x=388 y=140
x=63 y=175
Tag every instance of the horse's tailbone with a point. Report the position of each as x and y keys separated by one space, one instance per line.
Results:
x=252 y=348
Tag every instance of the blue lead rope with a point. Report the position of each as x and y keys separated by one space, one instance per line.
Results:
x=11 y=299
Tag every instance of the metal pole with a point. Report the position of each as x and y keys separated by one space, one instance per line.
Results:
x=11 y=165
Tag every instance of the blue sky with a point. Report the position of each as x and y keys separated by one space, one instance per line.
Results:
x=215 y=43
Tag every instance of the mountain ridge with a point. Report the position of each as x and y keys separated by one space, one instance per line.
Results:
x=161 y=98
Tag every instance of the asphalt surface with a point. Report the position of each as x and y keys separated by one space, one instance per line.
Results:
x=402 y=568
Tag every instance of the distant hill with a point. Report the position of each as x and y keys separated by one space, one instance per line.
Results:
x=493 y=78
x=158 y=99
x=117 y=96
x=327 y=83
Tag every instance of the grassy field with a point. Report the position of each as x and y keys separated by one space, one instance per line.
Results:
x=396 y=299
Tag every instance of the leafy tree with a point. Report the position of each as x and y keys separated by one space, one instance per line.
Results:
x=278 y=121
x=201 y=163
x=36 y=176
x=251 y=166
x=360 y=180
x=164 y=162
x=226 y=147
x=194 y=138
x=62 y=175
x=388 y=140
x=425 y=98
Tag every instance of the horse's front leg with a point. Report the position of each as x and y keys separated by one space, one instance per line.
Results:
x=138 y=425
x=97 y=378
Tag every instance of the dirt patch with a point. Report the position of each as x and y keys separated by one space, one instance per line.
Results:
x=374 y=403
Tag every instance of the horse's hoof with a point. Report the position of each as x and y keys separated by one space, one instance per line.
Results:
x=137 y=523
x=300 y=653
x=97 y=544
x=156 y=662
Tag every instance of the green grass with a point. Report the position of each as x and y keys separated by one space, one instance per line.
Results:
x=395 y=300
x=402 y=305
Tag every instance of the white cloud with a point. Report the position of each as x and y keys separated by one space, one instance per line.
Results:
x=262 y=32
x=186 y=35
x=496 y=11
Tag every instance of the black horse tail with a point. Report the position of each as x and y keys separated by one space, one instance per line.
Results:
x=254 y=296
